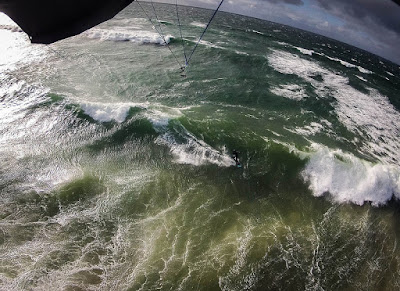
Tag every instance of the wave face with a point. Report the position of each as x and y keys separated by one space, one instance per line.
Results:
x=116 y=173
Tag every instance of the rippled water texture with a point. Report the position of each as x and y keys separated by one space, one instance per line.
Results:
x=116 y=172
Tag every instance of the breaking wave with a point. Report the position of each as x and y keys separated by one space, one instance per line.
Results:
x=347 y=178
x=290 y=91
x=105 y=112
x=124 y=34
x=184 y=146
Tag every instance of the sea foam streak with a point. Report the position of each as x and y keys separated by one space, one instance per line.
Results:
x=199 y=24
x=347 y=64
x=304 y=51
x=194 y=151
x=184 y=146
x=123 y=34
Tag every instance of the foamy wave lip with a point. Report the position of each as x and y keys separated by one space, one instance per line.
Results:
x=121 y=34
x=347 y=64
x=255 y=31
x=186 y=149
x=311 y=129
x=349 y=179
x=304 y=51
x=195 y=152
x=241 y=53
x=105 y=112
x=282 y=43
x=157 y=114
x=290 y=91
x=160 y=117
x=198 y=24
x=189 y=149
x=362 y=79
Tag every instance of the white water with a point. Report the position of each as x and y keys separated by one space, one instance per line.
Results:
x=349 y=179
x=192 y=151
x=370 y=115
x=305 y=51
x=125 y=34
x=105 y=112
x=198 y=24
x=16 y=50
x=290 y=91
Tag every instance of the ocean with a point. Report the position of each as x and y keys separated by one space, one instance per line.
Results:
x=116 y=172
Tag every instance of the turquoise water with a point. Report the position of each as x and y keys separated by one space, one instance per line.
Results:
x=116 y=172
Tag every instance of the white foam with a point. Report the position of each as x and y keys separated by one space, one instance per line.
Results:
x=311 y=129
x=305 y=51
x=282 y=43
x=213 y=45
x=160 y=117
x=349 y=179
x=373 y=116
x=105 y=112
x=370 y=115
x=290 y=91
x=362 y=79
x=389 y=73
x=187 y=149
x=347 y=64
x=195 y=152
x=362 y=70
x=291 y=64
x=12 y=28
x=14 y=108
x=198 y=24
x=16 y=50
x=209 y=44
x=241 y=53
x=7 y=21
x=258 y=32
x=124 y=34
x=157 y=114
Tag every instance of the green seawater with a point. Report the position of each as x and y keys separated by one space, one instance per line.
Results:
x=116 y=172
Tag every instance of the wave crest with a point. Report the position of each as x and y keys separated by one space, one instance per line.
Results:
x=347 y=178
x=122 y=34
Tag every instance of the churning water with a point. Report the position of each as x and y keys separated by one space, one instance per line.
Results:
x=116 y=172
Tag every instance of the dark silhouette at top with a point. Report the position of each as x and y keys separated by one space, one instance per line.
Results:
x=47 y=21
